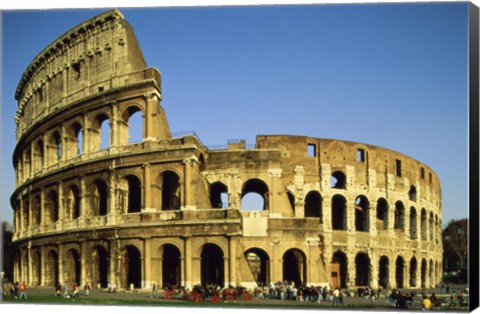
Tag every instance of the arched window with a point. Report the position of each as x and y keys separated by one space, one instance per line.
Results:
x=73 y=203
x=399 y=267
x=313 y=205
x=135 y=125
x=413 y=223
x=100 y=198
x=339 y=268
x=412 y=194
x=212 y=265
x=54 y=148
x=219 y=195
x=259 y=264
x=362 y=216
x=132 y=267
x=413 y=272
x=52 y=210
x=171 y=266
x=100 y=133
x=254 y=195
x=399 y=216
x=339 y=213
x=382 y=214
x=170 y=191
x=39 y=156
x=338 y=180
x=134 y=194
x=362 y=269
x=295 y=267
x=383 y=272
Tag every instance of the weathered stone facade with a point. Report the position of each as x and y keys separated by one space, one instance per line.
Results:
x=91 y=206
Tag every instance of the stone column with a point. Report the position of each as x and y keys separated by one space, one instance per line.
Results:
x=374 y=264
x=276 y=264
x=187 y=201
x=61 y=205
x=150 y=102
x=147 y=278
x=147 y=198
x=188 y=257
x=43 y=257
x=64 y=142
x=350 y=211
x=86 y=135
x=112 y=199
x=113 y=126
x=83 y=264
x=30 y=264
x=61 y=276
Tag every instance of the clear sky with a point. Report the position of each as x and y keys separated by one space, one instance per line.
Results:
x=390 y=75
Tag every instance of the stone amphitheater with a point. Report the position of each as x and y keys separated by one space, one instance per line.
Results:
x=91 y=205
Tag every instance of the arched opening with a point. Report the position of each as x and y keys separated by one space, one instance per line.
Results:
x=383 y=272
x=362 y=269
x=134 y=194
x=254 y=195
x=100 y=200
x=413 y=223
x=100 y=267
x=51 y=269
x=218 y=195
x=399 y=267
x=295 y=267
x=170 y=191
x=412 y=194
x=212 y=266
x=259 y=264
x=135 y=125
x=413 y=272
x=382 y=214
x=73 y=203
x=338 y=270
x=73 y=267
x=423 y=273
x=362 y=216
x=313 y=205
x=399 y=222
x=338 y=180
x=339 y=213
x=423 y=223
x=431 y=274
x=39 y=156
x=171 y=267
x=74 y=144
x=36 y=211
x=132 y=267
x=37 y=268
x=431 y=226
x=291 y=200
x=52 y=210
x=28 y=163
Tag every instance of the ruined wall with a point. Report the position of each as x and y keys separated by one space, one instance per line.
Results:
x=91 y=205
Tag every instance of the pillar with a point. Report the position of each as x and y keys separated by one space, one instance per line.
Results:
x=61 y=276
x=42 y=265
x=188 y=258
x=187 y=201
x=83 y=264
x=147 y=263
x=147 y=202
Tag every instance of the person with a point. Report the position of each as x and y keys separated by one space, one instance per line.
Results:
x=65 y=289
x=114 y=288
x=87 y=289
x=154 y=291
x=23 y=293
x=336 y=295
x=58 y=289
x=426 y=304
x=15 y=290
x=75 y=290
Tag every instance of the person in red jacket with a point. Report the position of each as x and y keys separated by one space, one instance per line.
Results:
x=23 y=289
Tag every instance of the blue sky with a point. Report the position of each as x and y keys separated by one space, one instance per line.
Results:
x=390 y=75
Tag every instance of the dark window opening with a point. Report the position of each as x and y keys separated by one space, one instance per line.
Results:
x=382 y=214
x=360 y=155
x=338 y=180
x=133 y=267
x=134 y=194
x=100 y=267
x=399 y=222
x=313 y=205
x=295 y=267
x=412 y=194
x=101 y=198
x=383 y=272
x=212 y=266
x=312 y=150
x=219 y=195
x=413 y=272
x=422 y=173
x=291 y=200
x=339 y=262
x=430 y=177
x=258 y=262
x=398 y=168
x=362 y=206
x=399 y=267
x=362 y=270
x=171 y=266
x=170 y=191
x=413 y=223
x=339 y=213
x=423 y=274
x=76 y=70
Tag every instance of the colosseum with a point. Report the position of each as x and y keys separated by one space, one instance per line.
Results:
x=92 y=205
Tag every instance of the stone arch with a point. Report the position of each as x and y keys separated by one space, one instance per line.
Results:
x=73 y=203
x=255 y=191
x=134 y=194
x=212 y=268
x=259 y=263
x=36 y=217
x=75 y=135
x=413 y=272
x=399 y=222
x=382 y=214
x=52 y=210
x=100 y=263
x=171 y=266
x=36 y=268
x=412 y=194
x=51 y=269
x=383 y=272
x=219 y=195
x=132 y=124
x=399 y=271
x=362 y=269
x=339 y=212
x=132 y=267
x=295 y=267
x=423 y=224
x=72 y=266
x=39 y=156
x=28 y=163
x=100 y=136
x=362 y=214
x=55 y=149
x=338 y=270
x=171 y=190
x=99 y=198
x=313 y=205
x=423 y=273
x=413 y=223
x=338 y=180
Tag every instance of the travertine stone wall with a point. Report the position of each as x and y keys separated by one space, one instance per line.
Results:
x=93 y=206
